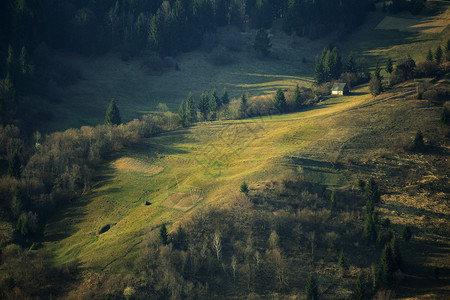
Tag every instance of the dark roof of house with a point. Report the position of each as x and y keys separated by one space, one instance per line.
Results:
x=339 y=86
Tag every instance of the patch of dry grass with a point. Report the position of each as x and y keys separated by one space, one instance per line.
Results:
x=128 y=164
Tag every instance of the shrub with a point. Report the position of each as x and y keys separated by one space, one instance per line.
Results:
x=418 y=144
x=427 y=69
x=406 y=233
x=220 y=57
x=244 y=188
x=375 y=86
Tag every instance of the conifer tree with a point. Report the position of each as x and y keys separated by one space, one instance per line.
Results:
x=406 y=233
x=372 y=194
x=16 y=203
x=112 y=114
x=351 y=65
x=191 y=111
x=279 y=101
x=444 y=115
x=438 y=54
x=244 y=188
x=203 y=106
x=419 y=144
x=274 y=240
x=429 y=55
x=342 y=263
x=213 y=105
x=386 y=266
x=225 y=99
x=369 y=233
x=243 y=106
x=319 y=76
x=359 y=293
x=163 y=234
x=333 y=199
x=182 y=118
x=298 y=99
x=217 y=98
x=312 y=291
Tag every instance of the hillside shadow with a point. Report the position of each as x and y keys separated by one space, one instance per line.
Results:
x=71 y=214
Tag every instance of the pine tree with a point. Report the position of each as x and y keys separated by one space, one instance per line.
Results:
x=319 y=75
x=438 y=55
x=447 y=50
x=342 y=263
x=225 y=98
x=429 y=55
x=419 y=144
x=14 y=166
x=298 y=99
x=163 y=234
x=262 y=42
x=244 y=188
x=312 y=291
x=406 y=233
x=396 y=256
x=218 y=99
x=279 y=101
x=377 y=72
x=386 y=267
x=191 y=111
x=243 y=106
x=203 y=106
x=372 y=193
x=351 y=65
x=213 y=105
x=112 y=114
x=369 y=233
x=182 y=118
x=359 y=293
x=180 y=241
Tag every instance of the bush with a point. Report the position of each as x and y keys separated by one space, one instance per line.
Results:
x=427 y=69
x=375 y=86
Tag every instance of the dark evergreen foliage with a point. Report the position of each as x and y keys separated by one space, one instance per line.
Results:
x=191 y=110
x=438 y=54
x=163 y=234
x=113 y=114
x=243 y=106
x=312 y=290
x=279 y=101
x=298 y=99
x=359 y=293
x=244 y=188
x=419 y=144
x=429 y=55
x=375 y=86
x=203 y=106
x=225 y=98
x=406 y=233
x=328 y=66
x=182 y=116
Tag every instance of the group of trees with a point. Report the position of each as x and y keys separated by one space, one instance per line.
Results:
x=207 y=109
x=166 y=27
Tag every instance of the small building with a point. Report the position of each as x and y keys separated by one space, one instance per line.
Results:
x=340 y=88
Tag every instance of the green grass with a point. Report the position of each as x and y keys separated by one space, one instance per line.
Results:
x=213 y=159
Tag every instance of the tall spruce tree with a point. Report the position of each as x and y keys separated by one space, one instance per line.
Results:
x=359 y=293
x=429 y=55
x=182 y=117
x=370 y=233
x=112 y=114
x=163 y=236
x=225 y=98
x=191 y=111
x=438 y=54
x=213 y=105
x=243 y=106
x=279 y=101
x=203 y=106
x=298 y=99
x=351 y=65
x=312 y=291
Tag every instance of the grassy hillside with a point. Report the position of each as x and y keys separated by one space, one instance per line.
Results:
x=334 y=144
